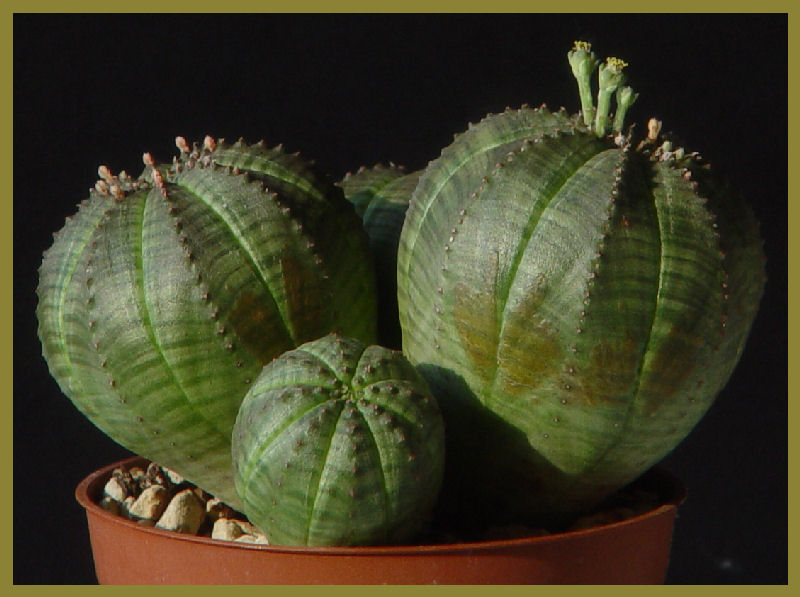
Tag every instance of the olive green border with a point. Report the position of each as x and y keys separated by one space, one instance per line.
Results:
x=6 y=238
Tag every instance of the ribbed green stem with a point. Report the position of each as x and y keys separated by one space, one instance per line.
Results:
x=610 y=77
x=625 y=99
x=583 y=63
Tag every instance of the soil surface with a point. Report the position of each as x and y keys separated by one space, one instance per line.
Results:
x=155 y=496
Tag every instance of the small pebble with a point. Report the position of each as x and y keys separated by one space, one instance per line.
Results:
x=174 y=477
x=184 y=513
x=116 y=489
x=155 y=476
x=137 y=474
x=150 y=504
x=124 y=478
x=226 y=529
x=216 y=509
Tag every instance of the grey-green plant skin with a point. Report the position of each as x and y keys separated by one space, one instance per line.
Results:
x=363 y=186
x=575 y=304
x=164 y=296
x=339 y=443
x=381 y=195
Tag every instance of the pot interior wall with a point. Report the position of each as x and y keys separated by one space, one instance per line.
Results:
x=633 y=551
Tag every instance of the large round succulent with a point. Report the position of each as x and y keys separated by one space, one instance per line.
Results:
x=163 y=297
x=575 y=299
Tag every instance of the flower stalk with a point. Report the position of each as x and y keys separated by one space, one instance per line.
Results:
x=610 y=78
x=583 y=62
x=625 y=98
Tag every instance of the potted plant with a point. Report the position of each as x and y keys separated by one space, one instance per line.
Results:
x=571 y=300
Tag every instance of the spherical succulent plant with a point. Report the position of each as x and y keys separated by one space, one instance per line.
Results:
x=380 y=196
x=164 y=296
x=338 y=443
x=575 y=299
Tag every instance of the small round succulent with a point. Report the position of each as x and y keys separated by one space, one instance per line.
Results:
x=338 y=443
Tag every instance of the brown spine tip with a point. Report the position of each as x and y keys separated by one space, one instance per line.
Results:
x=101 y=186
x=182 y=144
x=117 y=192
x=209 y=143
x=158 y=179
x=148 y=159
x=105 y=173
x=653 y=129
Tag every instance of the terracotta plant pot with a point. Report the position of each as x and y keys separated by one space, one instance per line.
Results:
x=633 y=551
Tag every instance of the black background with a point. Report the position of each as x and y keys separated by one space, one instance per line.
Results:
x=352 y=90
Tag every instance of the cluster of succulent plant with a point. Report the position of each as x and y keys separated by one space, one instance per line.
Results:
x=571 y=298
